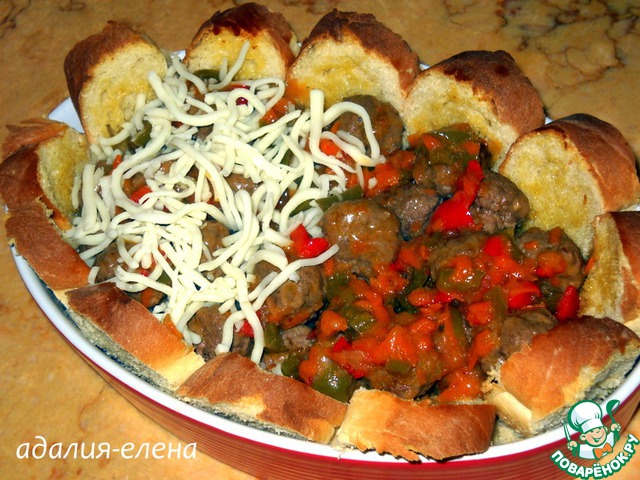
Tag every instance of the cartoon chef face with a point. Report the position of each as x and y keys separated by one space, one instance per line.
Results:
x=595 y=437
x=586 y=417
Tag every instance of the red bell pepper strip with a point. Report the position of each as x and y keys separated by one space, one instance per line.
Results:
x=305 y=245
x=569 y=304
x=137 y=195
x=522 y=295
x=454 y=213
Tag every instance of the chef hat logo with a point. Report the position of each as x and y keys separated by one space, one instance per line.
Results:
x=585 y=416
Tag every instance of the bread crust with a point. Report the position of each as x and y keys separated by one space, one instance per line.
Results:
x=275 y=400
x=19 y=182
x=607 y=154
x=495 y=87
x=351 y=34
x=613 y=285
x=129 y=324
x=255 y=23
x=40 y=242
x=81 y=68
x=561 y=367
x=380 y=421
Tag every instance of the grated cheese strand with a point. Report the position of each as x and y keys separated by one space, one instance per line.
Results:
x=202 y=135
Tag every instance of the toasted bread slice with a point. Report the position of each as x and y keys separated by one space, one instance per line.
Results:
x=582 y=358
x=39 y=241
x=43 y=159
x=349 y=54
x=484 y=89
x=36 y=181
x=380 y=421
x=612 y=288
x=273 y=45
x=235 y=386
x=572 y=170
x=105 y=74
x=126 y=329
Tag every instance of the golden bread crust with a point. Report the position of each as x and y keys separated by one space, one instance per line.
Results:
x=558 y=367
x=40 y=242
x=102 y=96
x=380 y=421
x=607 y=154
x=273 y=43
x=381 y=63
x=134 y=328
x=612 y=288
x=235 y=385
x=485 y=89
x=572 y=170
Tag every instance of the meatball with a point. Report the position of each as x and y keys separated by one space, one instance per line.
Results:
x=412 y=204
x=366 y=233
x=441 y=177
x=470 y=244
x=517 y=331
x=208 y=322
x=500 y=204
x=107 y=261
x=240 y=182
x=293 y=302
x=212 y=234
x=385 y=120
x=553 y=249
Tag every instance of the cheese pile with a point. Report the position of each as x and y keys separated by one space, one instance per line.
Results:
x=210 y=128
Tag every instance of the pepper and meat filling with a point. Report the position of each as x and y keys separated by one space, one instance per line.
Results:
x=434 y=282
x=416 y=277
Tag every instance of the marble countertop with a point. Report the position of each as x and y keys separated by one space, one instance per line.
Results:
x=582 y=57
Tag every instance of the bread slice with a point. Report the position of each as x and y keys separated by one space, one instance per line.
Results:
x=612 y=288
x=572 y=170
x=36 y=180
x=105 y=74
x=236 y=387
x=39 y=241
x=585 y=358
x=349 y=54
x=127 y=330
x=380 y=421
x=42 y=160
x=273 y=45
x=485 y=89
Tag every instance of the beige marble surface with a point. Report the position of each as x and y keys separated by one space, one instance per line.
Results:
x=582 y=56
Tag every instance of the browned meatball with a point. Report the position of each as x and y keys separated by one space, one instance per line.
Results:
x=239 y=182
x=385 y=120
x=500 y=204
x=212 y=234
x=441 y=177
x=208 y=322
x=293 y=302
x=366 y=233
x=413 y=205
x=516 y=331
x=107 y=261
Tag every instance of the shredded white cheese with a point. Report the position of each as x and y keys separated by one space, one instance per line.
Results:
x=196 y=141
